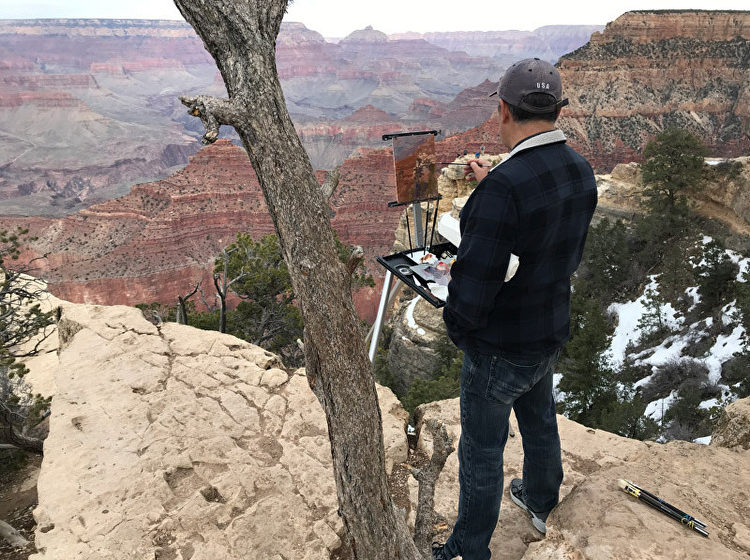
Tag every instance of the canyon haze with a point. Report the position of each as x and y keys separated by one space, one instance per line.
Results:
x=90 y=107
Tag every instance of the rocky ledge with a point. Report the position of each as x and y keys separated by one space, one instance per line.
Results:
x=169 y=442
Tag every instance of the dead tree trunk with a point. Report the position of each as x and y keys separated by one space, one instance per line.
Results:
x=11 y=433
x=241 y=37
x=12 y=536
x=182 y=316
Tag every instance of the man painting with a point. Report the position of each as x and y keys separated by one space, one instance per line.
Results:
x=536 y=204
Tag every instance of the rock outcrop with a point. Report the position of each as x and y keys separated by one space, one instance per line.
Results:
x=645 y=72
x=185 y=444
x=595 y=519
x=649 y=70
x=170 y=442
x=732 y=428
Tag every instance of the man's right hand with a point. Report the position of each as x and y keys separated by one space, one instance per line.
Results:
x=479 y=167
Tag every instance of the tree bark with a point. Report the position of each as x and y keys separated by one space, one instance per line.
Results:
x=241 y=37
x=13 y=537
x=442 y=447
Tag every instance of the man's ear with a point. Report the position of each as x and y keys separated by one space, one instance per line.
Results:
x=504 y=113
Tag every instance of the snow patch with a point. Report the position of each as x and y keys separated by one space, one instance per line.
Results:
x=410 y=317
x=656 y=409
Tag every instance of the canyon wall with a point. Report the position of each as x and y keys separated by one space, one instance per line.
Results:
x=650 y=70
x=95 y=101
x=645 y=71
x=162 y=238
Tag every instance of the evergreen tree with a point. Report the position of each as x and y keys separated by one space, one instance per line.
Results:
x=21 y=322
x=625 y=416
x=652 y=323
x=716 y=276
x=685 y=419
x=587 y=380
x=267 y=315
x=605 y=271
x=677 y=273
x=673 y=164
x=445 y=383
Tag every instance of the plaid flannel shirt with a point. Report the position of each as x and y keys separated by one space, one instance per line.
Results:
x=537 y=204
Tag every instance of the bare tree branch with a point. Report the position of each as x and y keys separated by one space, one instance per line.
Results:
x=332 y=182
x=442 y=447
x=10 y=432
x=211 y=307
x=182 y=317
x=213 y=112
x=354 y=259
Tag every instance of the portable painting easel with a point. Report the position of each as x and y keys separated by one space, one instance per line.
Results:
x=416 y=182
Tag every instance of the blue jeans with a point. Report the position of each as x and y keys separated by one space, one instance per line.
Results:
x=491 y=386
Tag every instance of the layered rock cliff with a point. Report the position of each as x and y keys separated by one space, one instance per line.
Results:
x=546 y=42
x=645 y=72
x=170 y=442
x=649 y=70
x=161 y=239
x=74 y=106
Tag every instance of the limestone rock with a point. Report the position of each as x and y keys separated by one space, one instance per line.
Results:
x=417 y=331
x=172 y=442
x=176 y=443
x=597 y=520
x=733 y=429
x=651 y=69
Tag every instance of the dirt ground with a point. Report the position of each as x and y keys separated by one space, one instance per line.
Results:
x=18 y=499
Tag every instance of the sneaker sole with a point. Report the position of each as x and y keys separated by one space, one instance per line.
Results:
x=538 y=524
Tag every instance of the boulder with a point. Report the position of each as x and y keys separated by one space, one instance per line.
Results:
x=733 y=428
x=595 y=518
x=171 y=442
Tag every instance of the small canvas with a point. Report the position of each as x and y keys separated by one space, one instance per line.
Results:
x=416 y=173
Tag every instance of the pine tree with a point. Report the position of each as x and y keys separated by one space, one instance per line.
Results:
x=587 y=380
x=652 y=323
x=673 y=164
x=21 y=321
x=716 y=276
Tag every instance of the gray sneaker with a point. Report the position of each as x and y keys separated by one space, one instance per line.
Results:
x=516 y=494
x=437 y=551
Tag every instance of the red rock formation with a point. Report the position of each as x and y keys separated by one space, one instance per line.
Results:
x=35 y=82
x=651 y=70
x=642 y=74
x=122 y=68
x=158 y=241
x=40 y=99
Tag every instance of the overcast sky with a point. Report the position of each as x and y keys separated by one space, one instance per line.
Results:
x=338 y=18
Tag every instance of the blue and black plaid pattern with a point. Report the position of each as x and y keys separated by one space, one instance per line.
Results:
x=537 y=205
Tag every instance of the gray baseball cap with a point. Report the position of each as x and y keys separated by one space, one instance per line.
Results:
x=531 y=75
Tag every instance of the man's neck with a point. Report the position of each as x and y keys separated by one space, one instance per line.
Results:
x=520 y=131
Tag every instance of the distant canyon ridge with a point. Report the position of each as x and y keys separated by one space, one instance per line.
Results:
x=90 y=107
x=642 y=73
